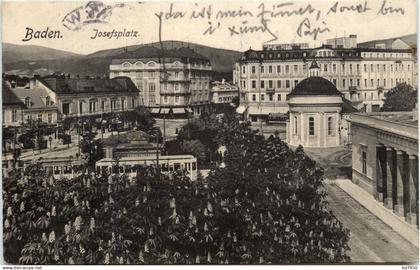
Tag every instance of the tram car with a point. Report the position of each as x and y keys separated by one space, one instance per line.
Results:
x=59 y=167
x=168 y=164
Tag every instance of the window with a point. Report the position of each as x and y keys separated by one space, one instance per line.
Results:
x=254 y=97
x=262 y=84
x=176 y=75
x=384 y=82
x=365 y=82
x=334 y=68
x=278 y=83
x=177 y=87
x=270 y=97
x=295 y=125
x=270 y=69
x=287 y=84
x=344 y=83
x=80 y=107
x=287 y=69
x=65 y=107
x=330 y=126
x=295 y=69
x=278 y=69
x=176 y=99
x=278 y=97
x=151 y=74
x=296 y=83
x=14 y=115
x=371 y=67
x=335 y=82
x=262 y=97
x=371 y=82
x=364 y=162
x=152 y=87
x=358 y=82
x=270 y=84
x=48 y=101
x=243 y=70
x=103 y=105
x=325 y=67
x=262 y=69
x=28 y=102
x=253 y=69
x=92 y=106
x=113 y=104
x=165 y=99
x=364 y=68
x=311 y=126
x=40 y=117
x=253 y=84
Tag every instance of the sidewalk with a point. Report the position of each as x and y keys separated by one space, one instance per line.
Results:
x=397 y=223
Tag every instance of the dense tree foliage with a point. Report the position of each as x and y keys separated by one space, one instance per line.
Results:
x=402 y=97
x=267 y=205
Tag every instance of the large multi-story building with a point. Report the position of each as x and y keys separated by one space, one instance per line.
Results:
x=13 y=107
x=176 y=80
x=363 y=75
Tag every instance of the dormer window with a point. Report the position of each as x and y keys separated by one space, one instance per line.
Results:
x=48 y=101
x=28 y=102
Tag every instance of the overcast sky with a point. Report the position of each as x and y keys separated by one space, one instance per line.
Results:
x=17 y=16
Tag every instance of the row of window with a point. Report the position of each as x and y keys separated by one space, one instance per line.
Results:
x=351 y=68
x=311 y=126
x=93 y=106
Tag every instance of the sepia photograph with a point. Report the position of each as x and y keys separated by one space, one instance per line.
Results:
x=210 y=133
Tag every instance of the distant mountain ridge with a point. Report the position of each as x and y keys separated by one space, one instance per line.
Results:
x=97 y=64
x=17 y=53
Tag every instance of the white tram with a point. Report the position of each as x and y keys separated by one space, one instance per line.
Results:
x=130 y=165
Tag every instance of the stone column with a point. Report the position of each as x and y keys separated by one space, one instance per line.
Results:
x=302 y=130
x=389 y=178
x=321 y=133
x=380 y=173
x=412 y=191
x=399 y=207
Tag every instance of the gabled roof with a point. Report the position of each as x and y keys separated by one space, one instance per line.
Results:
x=8 y=97
x=62 y=85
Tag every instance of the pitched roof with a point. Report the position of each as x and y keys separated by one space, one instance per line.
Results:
x=410 y=40
x=64 y=85
x=36 y=96
x=153 y=52
x=314 y=86
x=8 y=97
x=348 y=106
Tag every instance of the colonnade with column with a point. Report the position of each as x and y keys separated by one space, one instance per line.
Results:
x=397 y=181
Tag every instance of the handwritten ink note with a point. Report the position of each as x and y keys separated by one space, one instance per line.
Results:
x=268 y=18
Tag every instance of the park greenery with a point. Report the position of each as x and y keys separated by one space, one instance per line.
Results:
x=266 y=205
x=402 y=97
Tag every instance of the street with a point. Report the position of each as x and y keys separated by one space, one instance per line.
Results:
x=371 y=240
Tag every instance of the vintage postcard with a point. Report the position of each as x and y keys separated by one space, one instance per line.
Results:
x=210 y=132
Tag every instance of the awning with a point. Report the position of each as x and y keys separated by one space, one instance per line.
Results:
x=178 y=110
x=264 y=110
x=241 y=109
x=164 y=111
x=155 y=110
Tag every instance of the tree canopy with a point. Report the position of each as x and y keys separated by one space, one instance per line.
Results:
x=402 y=97
x=267 y=205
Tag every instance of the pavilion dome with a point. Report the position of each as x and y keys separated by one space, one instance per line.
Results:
x=315 y=86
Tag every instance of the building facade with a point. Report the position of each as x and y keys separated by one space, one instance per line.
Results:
x=166 y=79
x=223 y=93
x=39 y=105
x=13 y=107
x=85 y=97
x=363 y=75
x=385 y=160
